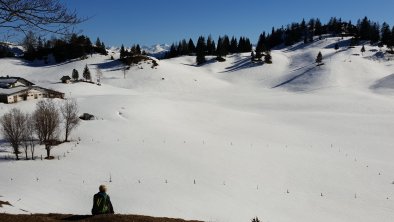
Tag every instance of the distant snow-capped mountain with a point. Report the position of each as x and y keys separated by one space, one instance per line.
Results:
x=157 y=50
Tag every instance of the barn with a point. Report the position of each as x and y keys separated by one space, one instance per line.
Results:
x=15 y=89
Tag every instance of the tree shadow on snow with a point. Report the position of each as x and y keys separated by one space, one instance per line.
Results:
x=111 y=65
x=210 y=61
x=242 y=64
x=294 y=77
x=342 y=44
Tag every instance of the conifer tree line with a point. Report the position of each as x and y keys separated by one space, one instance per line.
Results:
x=208 y=46
x=77 y=46
x=364 y=29
x=70 y=47
x=132 y=56
x=134 y=50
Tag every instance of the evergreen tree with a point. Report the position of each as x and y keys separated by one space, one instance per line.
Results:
x=179 y=49
x=374 y=33
x=248 y=45
x=210 y=46
x=138 y=49
x=226 y=44
x=260 y=47
x=259 y=55
x=318 y=28
x=173 y=51
x=303 y=28
x=200 y=51
x=233 y=45
x=122 y=52
x=390 y=45
x=332 y=26
x=244 y=45
x=185 y=47
x=268 y=57
x=386 y=33
x=364 y=27
x=319 y=58
x=75 y=74
x=98 y=43
x=191 y=46
x=103 y=49
x=220 y=51
x=40 y=49
x=88 y=45
x=311 y=29
x=354 y=41
x=362 y=50
x=86 y=73
x=351 y=29
x=252 y=56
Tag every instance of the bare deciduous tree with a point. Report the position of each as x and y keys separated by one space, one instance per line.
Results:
x=13 y=124
x=42 y=15
x=99 y=74
x=28 y=137
x=24 y=139
x=69 y=112
x=46 y=123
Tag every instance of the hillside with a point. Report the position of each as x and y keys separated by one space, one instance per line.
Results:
x=220 y=142
x=83 y=218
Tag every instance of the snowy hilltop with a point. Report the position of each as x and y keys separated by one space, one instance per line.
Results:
x=223 y=141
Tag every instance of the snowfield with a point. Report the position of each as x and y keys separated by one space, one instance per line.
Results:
x=221 y=142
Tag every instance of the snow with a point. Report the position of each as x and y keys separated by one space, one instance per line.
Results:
x=220 y=142
x=12 y=90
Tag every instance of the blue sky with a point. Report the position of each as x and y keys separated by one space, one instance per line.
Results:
x=148 y=22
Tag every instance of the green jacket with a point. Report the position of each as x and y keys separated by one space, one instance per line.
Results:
x=102 y=204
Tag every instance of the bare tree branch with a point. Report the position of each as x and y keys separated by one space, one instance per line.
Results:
x=41 y=15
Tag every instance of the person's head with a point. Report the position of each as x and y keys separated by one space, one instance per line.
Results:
x=103 y=188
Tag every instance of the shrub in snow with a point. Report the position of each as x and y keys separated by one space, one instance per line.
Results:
x=319 y=58
x=256 y=219
x=86 y=116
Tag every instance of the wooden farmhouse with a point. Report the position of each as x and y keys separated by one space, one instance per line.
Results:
x=15 y=89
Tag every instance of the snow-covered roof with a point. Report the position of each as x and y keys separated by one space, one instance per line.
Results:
x=19 y=89
x=12 y=90
x=8 y=80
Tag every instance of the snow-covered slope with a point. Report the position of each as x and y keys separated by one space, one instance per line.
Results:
x=220 y=142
